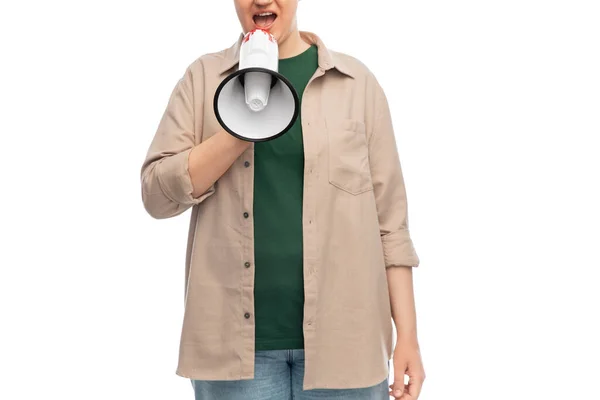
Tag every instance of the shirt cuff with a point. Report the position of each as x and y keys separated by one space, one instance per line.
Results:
x=398 y=249
x=174 y=179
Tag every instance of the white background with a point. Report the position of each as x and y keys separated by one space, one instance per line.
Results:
x=496 y=108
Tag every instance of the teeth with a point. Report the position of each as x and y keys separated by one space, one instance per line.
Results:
x=264 y=14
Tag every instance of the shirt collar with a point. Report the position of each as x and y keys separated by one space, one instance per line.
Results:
x=326 y=58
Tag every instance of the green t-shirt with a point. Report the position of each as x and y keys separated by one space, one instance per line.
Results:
x=278 y=190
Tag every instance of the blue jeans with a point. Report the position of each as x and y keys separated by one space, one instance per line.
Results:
x=278 y=375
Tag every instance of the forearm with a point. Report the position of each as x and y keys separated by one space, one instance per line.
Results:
x=209 y=160
x=402 y=302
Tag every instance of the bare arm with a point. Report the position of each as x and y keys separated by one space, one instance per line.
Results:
x=407 y=353
x=209 y=160
x=402 y=302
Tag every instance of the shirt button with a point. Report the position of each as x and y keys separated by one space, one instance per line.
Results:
x=247 y=164
x=247 y=315
x=247 y=264
x=246 y=215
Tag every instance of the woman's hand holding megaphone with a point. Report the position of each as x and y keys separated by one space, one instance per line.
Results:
x=209 y=160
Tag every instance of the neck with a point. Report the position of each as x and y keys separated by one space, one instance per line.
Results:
x=292 y=45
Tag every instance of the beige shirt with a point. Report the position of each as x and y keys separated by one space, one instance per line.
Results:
x=354 y=222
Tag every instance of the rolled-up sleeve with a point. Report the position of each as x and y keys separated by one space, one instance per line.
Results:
x=166 y=184
x=389 y=188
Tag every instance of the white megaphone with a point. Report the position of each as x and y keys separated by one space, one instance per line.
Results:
x=256 y=103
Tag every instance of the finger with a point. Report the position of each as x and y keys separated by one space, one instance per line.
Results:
x=399 y=377
x=402 y=397
x=393 y=393
x=406 y=395
x=398 y=385
x=415 y=384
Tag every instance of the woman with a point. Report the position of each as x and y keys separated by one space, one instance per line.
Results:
x=299 y=254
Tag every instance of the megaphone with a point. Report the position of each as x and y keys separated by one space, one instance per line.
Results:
x=256 y=103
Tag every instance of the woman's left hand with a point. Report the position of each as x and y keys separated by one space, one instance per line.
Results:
x=407 y=360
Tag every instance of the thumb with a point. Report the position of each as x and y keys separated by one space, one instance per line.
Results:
x=398 y=385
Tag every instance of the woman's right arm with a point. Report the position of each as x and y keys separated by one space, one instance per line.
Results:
x=177 y=173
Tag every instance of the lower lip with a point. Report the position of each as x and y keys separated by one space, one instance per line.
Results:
x=265 y=27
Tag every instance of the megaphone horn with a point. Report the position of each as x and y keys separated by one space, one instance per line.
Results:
x=261 y=104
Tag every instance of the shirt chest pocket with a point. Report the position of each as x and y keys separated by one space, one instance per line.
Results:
x=348 y=155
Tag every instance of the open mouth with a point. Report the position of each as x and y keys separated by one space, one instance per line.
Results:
x=264 y=20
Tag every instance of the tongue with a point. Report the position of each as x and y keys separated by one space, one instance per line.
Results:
x=266 y=20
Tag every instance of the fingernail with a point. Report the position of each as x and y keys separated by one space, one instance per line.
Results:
x=397 y=392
